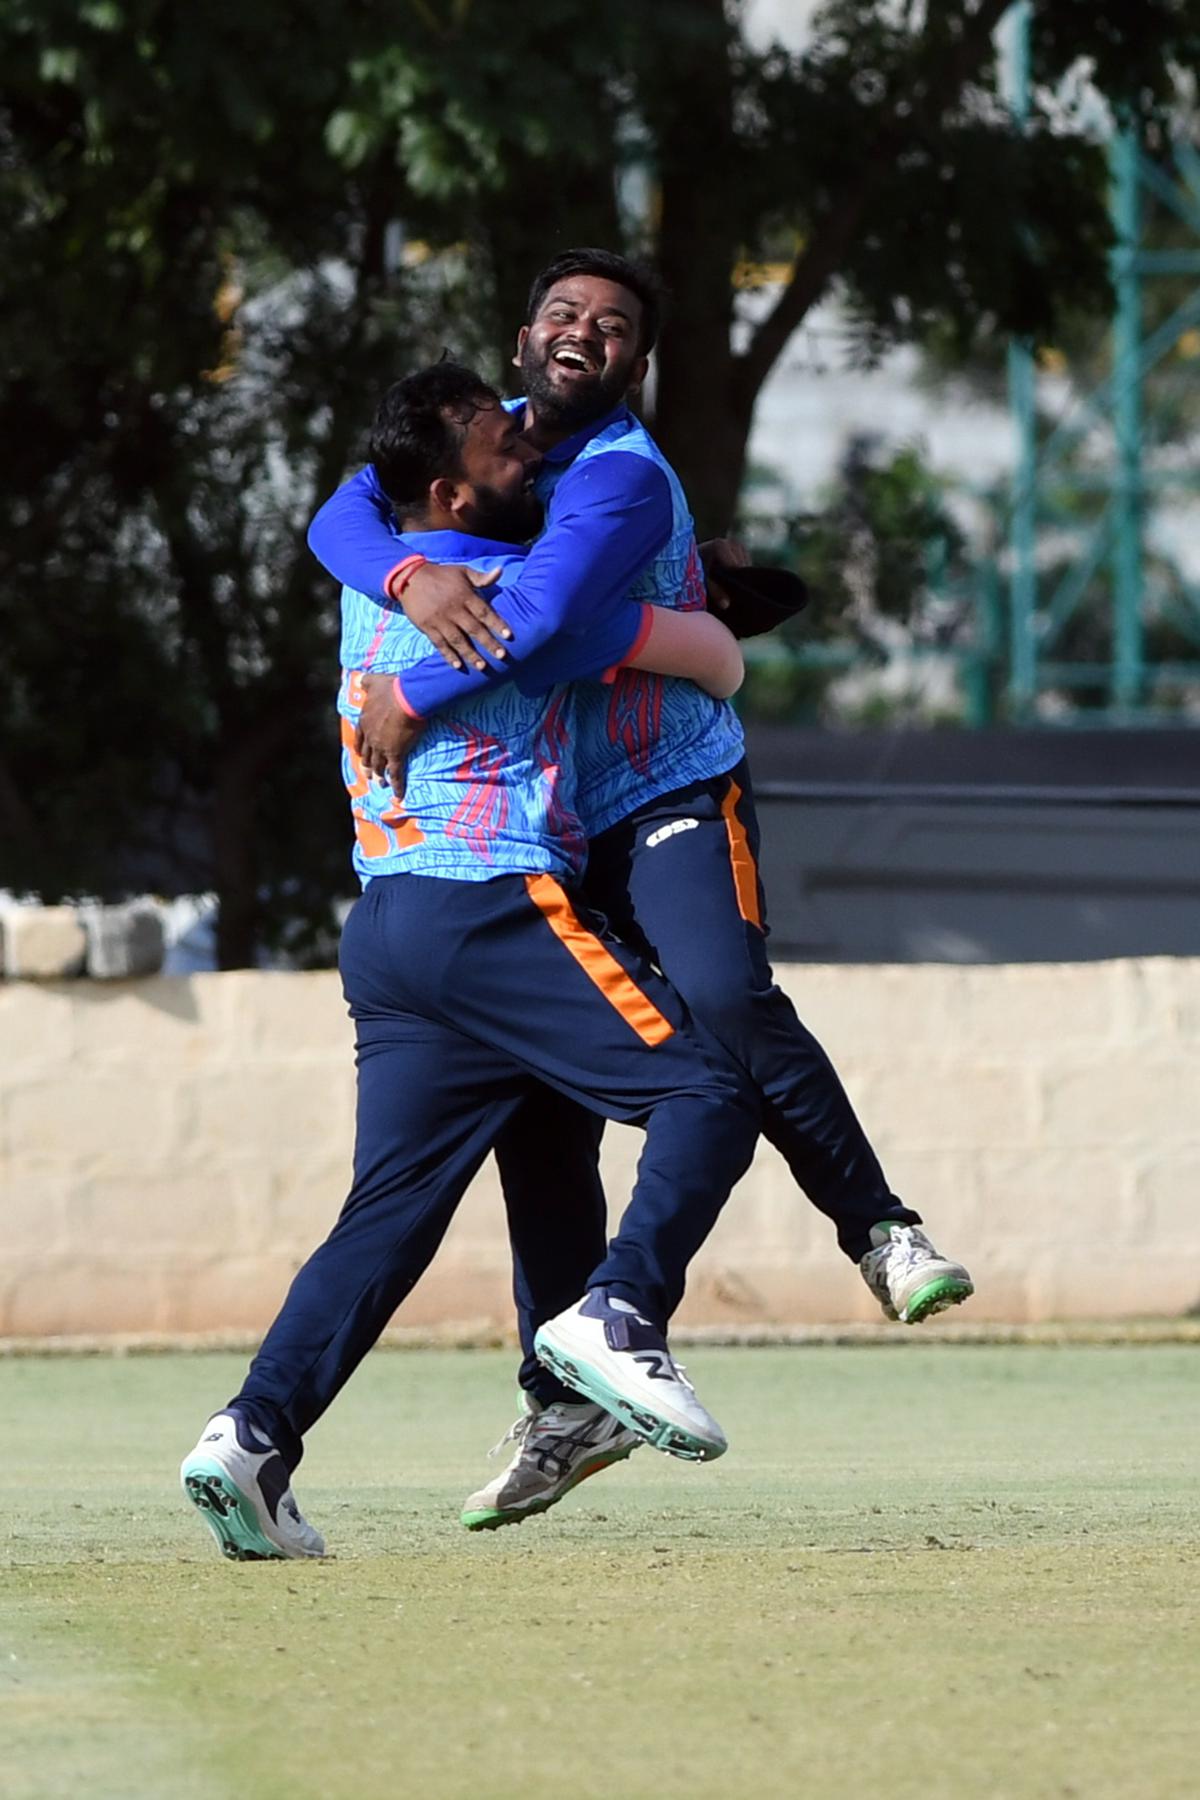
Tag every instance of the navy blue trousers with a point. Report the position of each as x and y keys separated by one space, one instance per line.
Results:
x=464 y=995
x=548 y=1158
x=678 y=879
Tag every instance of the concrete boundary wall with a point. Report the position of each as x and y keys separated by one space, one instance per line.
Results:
x=171 y=1149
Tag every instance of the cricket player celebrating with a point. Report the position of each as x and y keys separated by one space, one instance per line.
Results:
x=664 y=794
x=473 y=970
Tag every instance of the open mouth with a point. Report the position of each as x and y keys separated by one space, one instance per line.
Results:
x=575 y=362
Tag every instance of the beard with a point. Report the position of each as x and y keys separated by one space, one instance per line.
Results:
x=566 y=409
x=509 y=520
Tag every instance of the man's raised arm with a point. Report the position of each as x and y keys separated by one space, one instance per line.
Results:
x=568 y=609
x=354 y=536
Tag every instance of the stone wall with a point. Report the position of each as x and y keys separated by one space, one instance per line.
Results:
x=171 y=1149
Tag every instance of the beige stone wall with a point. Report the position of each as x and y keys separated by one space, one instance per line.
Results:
x=171 y=1149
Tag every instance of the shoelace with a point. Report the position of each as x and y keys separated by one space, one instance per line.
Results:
x=532 y=1425
x=517 y=1432
x=567 y=1439
x=909 y=1246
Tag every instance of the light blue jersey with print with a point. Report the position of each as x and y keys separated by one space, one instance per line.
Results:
x=618 y=530
x=643 y=735
x=490 y=787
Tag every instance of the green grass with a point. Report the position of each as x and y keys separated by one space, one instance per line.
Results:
x=921 y=1570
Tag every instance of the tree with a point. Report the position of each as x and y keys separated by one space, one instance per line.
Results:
x=196 y=304
x=207 y=285
x=218 y=223
x=877 y=163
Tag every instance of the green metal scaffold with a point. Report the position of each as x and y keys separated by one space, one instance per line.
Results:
x=1113 y=543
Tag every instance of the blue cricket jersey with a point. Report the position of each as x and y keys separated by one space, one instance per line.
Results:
x=618 y=527
x=491 y=786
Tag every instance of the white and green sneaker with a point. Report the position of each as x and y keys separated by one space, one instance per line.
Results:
x=909 y=1278
x=558 y=1446
x=606 y=1350
x=240 y=1486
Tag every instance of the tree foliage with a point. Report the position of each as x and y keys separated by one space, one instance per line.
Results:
x=195 y=303
x=227 y=226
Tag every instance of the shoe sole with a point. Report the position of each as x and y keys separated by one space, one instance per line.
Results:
x=228 y=1513
x=937 y=1297
x=492 y=1518
x=652 y=1427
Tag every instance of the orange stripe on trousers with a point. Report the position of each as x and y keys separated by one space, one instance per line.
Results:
x=598 y=964
x=741 y=858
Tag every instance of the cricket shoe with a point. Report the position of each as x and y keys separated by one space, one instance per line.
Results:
x=558 y=1446
x=239 y=1483
x=604 y=1348
x=909 y=1278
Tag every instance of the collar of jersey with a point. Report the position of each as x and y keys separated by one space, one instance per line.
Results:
x=570 y=447
x=457 y=546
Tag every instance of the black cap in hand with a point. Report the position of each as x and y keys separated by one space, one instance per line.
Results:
x=759 y=599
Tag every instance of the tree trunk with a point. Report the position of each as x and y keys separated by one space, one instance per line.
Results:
x=254 y=740
x=705 y=435
x=235 y=867
x=699 y=418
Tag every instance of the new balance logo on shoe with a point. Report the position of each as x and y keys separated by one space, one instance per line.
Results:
x=655 y=1366
x=243 y=1495
x=669 y=831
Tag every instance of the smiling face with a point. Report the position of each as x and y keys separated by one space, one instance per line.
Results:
x=579 y=355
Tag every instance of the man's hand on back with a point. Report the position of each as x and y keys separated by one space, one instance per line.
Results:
x=716 y=554
x=448 y=605
x=386 y=736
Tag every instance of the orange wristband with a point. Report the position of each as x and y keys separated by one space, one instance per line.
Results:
x=399 y=577
x=639 y=643
x=402 y=701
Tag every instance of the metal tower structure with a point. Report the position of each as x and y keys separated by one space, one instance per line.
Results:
x=1106 y=564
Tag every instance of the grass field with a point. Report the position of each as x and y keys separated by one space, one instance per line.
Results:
x=923 y=1569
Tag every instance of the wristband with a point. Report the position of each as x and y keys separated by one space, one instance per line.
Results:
x=638 y=645
x=398 y=578
x=401 y=698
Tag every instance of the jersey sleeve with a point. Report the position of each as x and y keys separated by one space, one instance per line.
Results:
x=569 y=608
x=355 y=537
